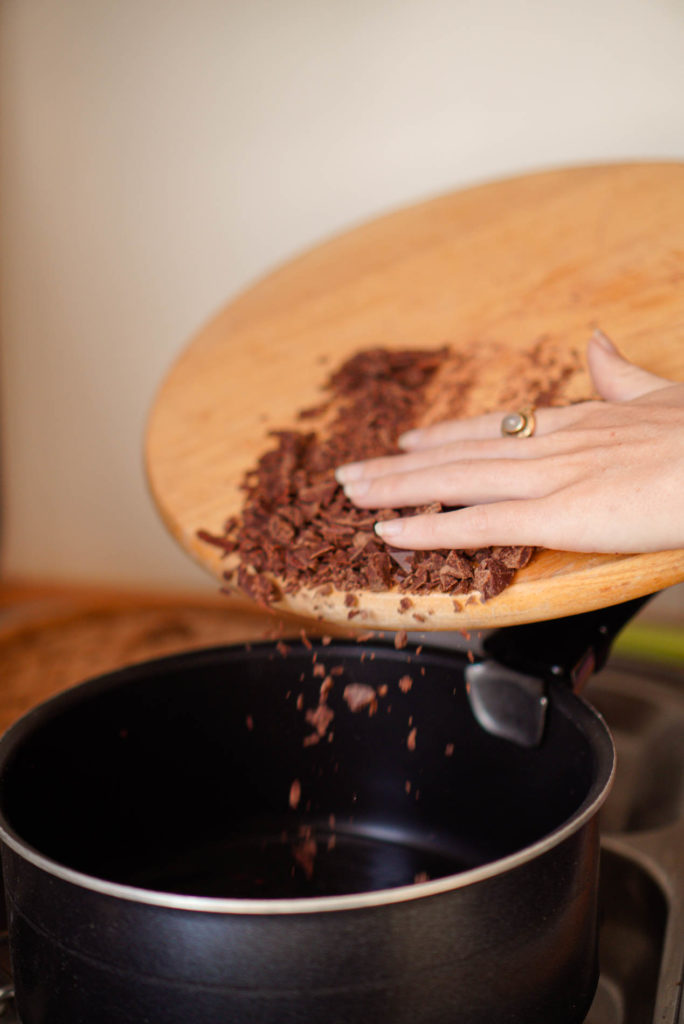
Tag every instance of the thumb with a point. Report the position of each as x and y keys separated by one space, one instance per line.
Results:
x=615 y=378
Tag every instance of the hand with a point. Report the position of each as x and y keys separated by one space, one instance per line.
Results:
x=599 y=476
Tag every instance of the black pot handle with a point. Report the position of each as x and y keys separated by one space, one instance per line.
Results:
x=507 y=689
x=568 y=650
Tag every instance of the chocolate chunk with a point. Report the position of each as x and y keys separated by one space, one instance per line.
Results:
x=320 y=718
x=295 y=794
x=400 y=639
x=359 y=696
x=405 y=684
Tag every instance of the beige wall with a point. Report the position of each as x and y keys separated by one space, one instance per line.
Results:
x=156 y=155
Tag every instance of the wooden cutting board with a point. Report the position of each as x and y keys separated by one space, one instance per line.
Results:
x=553 y=254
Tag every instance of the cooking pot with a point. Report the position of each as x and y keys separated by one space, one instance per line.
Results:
x=182 y=841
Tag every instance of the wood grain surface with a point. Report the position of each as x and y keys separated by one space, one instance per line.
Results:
x=552 y=254
x=52 y=638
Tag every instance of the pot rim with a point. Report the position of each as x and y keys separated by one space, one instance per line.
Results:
x=596 y=732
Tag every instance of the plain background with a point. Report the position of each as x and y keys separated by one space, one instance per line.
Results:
x=158 y=155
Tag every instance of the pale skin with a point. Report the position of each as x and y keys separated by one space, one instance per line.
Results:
x=599 y=476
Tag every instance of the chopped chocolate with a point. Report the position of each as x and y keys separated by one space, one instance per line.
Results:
x=326 y=687
x=304 y=852
x=359 y=696
x=400 y=639
x=491 y=578
x=297 y=529
x=295 y=794
x=320 y=718
x=305 y=640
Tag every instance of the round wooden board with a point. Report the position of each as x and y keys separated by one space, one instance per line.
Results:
x=554 y=254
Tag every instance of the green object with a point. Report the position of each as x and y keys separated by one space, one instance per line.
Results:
x=651 y=642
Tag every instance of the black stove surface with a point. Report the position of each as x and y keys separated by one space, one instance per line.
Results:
x=642 y=862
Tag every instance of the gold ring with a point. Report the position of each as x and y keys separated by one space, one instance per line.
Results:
x=519 y=424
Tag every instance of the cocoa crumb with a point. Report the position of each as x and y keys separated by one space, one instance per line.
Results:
x=295 y=794
x=305 y=640
x=400 y=639
x=304 y=852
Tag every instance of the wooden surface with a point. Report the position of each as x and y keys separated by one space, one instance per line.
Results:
x=53 y=637
x=551 y=254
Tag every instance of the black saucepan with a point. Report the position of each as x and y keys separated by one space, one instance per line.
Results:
x=177 y=848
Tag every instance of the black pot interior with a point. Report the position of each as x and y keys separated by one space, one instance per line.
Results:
x=178 y=775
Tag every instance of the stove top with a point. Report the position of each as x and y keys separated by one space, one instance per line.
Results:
x=642 y=860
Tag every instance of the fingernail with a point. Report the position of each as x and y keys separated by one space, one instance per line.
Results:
x=389 y=528
x=603 y=340
x=411 y=437
x=356 y=489
x=352 y=471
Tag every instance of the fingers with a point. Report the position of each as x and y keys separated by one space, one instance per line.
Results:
x=616 y=379
x=475 y=428
x=422 y=458
x=504 y=522
x=488 y=427
x=468 y=481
